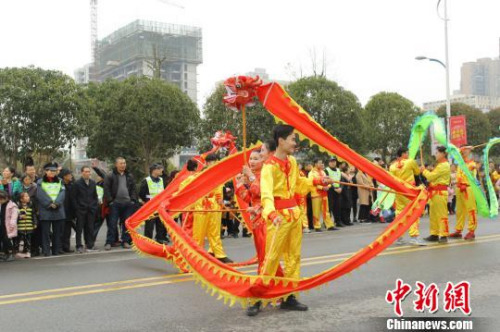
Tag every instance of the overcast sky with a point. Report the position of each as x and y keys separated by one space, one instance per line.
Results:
x=370 y=45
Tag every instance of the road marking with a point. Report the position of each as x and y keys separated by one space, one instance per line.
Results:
x=94 y=291
x=140 y=282
x=97 y=252
x=431 y=247
x=112 y=283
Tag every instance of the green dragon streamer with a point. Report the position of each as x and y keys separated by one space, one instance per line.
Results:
x=418 y=134
x=491 y=188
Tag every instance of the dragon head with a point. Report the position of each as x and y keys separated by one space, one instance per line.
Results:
x=223 y=139
x=240 y=90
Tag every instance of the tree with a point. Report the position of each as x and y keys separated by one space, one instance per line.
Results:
x=216 y=116
x=494 y=119
x=478 y=125
x=41 y=111
x=334 y=108
x=389 y=118
x=144 y=120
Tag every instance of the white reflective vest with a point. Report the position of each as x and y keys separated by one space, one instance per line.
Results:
x=52 y=189
x=154 y=187
x=335 y=175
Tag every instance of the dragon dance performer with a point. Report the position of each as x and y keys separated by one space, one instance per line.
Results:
x=206 y=224
x=302 y=202
x=439 y=179
x=319 y=197
x=406 y=169
x=466 y=203
x=280 y=181
x=187 y=218
x=248 y=189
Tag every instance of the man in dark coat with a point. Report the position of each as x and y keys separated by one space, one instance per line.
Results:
x=85 y=201
x=102 y=209
x=67 y=180
x=345 y=195
x=121 y=196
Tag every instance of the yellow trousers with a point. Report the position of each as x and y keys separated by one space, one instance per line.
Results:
x=401 y=203
x=208 y=225
x=466 y=209
x=320 y=209
x=303 y=215
x=438 y=206
x=283 y=242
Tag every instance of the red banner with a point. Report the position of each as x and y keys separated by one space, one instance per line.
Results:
x=458 y=130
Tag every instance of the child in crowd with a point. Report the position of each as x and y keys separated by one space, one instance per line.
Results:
x=8 y=225
x=26 y=224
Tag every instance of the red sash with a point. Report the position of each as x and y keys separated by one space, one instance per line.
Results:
x=282 y=203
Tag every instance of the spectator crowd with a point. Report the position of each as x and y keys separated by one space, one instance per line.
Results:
x=40 y=212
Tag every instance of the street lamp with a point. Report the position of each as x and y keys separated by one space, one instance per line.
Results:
x=445 y=65
x=448 y=102
x=431 y=59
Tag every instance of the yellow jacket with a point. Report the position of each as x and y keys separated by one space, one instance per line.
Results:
x=208 y=202
x=441 y=175
x=281 y=178
x=405 y=169
x=198 y=204
x=317 y=190
x=495 y=176
x=461 y=178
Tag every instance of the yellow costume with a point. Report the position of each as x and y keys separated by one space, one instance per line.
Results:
x=319 y=199
x=207 y=224
x=466 y=203
x=495 y=176
x=405 y=170
x=439 y=180
x=280 y=181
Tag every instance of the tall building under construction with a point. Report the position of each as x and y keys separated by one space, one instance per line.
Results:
x=171 y=52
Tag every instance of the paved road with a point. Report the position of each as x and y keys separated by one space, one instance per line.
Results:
x=121 y=291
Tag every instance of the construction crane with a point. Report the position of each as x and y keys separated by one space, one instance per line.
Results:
x=171 y=3
x=94 y=52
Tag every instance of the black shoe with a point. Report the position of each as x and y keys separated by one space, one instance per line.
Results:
x=235 y=235
x=68 y=251
x=348 y=224
x=443 y=239
x=432 y=238
x=339 y=224
x=225 y=260
x=254 y=309
x=162 y=241
x=292 y=304
x=332 y=229
x=318 y=230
